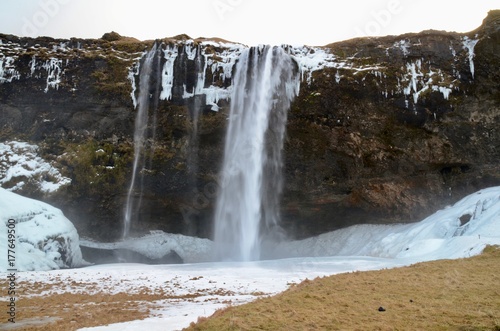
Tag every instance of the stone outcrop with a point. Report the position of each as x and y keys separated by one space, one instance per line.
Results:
x=384 y=129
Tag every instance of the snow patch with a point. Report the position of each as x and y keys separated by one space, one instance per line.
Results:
x=421 y=78
x=190 y=49
x=445 y=91
x=404 y=46
x=311 y=59
x=20 y=163
x=218 y=59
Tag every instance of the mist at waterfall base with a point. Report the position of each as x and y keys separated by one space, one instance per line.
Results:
x=247 y=208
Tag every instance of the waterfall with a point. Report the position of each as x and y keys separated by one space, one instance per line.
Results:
x=195 y=109
x=195 y=106
x=146 y=82
x=247 y=209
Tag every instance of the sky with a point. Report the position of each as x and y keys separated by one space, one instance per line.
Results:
x=251 y=22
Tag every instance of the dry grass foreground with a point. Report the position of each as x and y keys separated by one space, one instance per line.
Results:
x=39 y=309
x=71 y=311
x=457 y=295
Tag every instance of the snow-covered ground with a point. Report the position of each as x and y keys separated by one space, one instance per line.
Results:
x=458 y=231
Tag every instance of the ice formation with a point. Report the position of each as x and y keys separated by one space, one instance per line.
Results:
x=469 y=44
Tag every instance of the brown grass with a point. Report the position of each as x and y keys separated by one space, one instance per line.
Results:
x=457 y=295
x=47 y=305
x=40 y=308
x=74 y=311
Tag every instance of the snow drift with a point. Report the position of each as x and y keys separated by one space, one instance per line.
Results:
x=461 y=230
x=46 y=239
x=158 y=244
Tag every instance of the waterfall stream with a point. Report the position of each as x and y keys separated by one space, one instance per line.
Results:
x=134 y=195
x=247 y=209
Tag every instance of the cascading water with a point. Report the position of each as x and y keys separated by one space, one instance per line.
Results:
x=247 y=208
x=195 y=109
x=134 y=195
x=195 y=106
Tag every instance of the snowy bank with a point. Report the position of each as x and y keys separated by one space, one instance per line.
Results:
x=159 y=244
x=461 y=230
x=46 y=239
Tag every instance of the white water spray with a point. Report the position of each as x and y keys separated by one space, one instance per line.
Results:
x=247 y=209
x=140 y=135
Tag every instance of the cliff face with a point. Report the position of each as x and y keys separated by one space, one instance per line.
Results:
x=383 y=130
x=414 y=131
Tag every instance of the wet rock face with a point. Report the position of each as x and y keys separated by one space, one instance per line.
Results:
x=383 y=130
x=373 y=158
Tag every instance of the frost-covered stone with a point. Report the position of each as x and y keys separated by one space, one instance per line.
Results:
x=46 y=239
